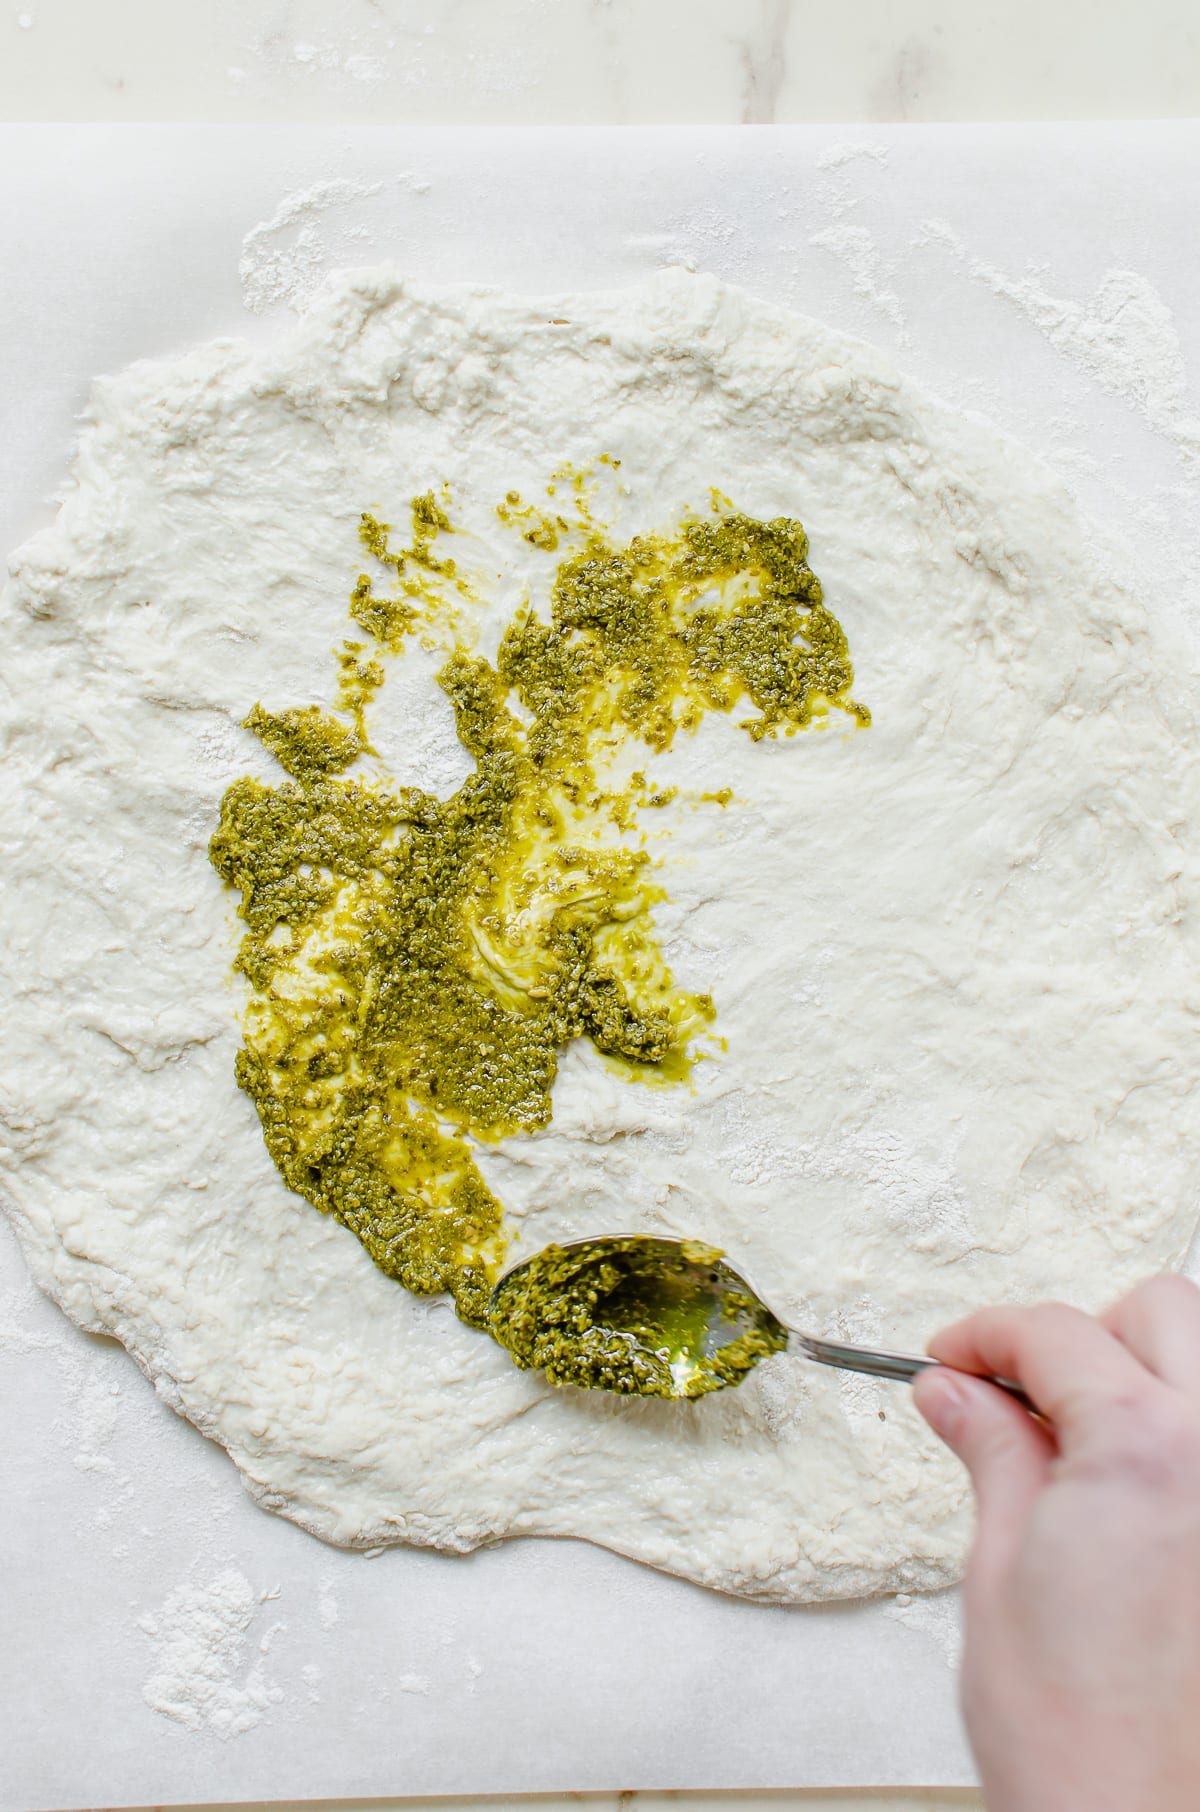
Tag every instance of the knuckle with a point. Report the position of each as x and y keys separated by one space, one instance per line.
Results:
x=1054 y=1315
x=1172 y=1425
x=1153 y=1441
x=1168 y=1291
x=985 y=1320
x=1038 y=1331
x=1053 y=1321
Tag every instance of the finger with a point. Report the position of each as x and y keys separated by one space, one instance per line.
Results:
x=1067 y=1362
x=1005 y=1451
x=1159 y=1323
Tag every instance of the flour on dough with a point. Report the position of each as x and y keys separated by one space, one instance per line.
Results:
x=953 y=956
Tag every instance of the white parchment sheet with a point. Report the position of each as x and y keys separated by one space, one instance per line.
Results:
x=162 y=1639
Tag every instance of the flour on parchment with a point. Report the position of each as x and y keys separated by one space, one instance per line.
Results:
x=1124 y=336
x=201 y=1675
x=953 y=956
x=284 y=259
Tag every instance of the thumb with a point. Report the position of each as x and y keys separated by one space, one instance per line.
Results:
x=1005 y=1451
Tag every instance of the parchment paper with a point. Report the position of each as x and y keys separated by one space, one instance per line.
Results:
x=164 y=1640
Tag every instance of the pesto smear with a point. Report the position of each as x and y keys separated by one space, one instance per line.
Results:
x=415 y=964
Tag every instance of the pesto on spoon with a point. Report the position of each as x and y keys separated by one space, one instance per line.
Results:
x=650 y=1316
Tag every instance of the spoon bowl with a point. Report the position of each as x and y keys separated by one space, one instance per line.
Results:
x=656 y=1316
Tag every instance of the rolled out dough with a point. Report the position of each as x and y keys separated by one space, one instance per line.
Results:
x=954 y=957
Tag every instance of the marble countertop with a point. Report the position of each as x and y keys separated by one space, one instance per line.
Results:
x=597 y=61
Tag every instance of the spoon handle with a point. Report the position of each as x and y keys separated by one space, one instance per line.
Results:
x=903 y=1366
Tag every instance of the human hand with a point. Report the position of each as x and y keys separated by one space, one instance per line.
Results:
x=1081 y=1672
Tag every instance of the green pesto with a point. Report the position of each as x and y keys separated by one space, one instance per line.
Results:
x=391 y=617
x=306 y=742
x=636 y=641
x=618 y=1314
x=416 y=965
x=539 y=527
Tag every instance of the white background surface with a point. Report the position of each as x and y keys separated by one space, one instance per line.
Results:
x=538 y=1666
x=439 y=61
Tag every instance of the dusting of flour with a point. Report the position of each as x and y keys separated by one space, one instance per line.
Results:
x=936 y=1618
x=1123 y=336
x=284 y=258
x=874 y=275
x=201 y=1675
x=852 y=150
x=327 y=1605
x=855 y=247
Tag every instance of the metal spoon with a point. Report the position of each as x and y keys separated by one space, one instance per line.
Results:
x=688 y=1306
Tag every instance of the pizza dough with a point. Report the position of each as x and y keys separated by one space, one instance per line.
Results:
x=952 y=956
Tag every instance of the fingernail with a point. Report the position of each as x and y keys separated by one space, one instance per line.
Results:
x=946 y=1405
